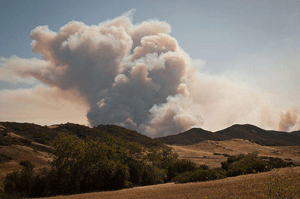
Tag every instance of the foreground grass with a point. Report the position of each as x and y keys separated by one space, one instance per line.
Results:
x=278 y=183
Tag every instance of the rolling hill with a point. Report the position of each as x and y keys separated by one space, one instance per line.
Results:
x=24 y=141
x=46 y=135
x=246 y=132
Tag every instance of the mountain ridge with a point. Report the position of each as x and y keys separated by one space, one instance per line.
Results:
x=241 y=131
x=35 y=132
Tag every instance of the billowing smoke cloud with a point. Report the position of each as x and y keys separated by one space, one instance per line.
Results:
x=288 y=120
x=138 y=77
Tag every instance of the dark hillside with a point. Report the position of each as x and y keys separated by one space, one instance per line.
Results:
x=260 y=136
x=192 y=136
x=46 y=135
x=246 y=132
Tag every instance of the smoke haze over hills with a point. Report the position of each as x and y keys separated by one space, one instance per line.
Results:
x=137 y=76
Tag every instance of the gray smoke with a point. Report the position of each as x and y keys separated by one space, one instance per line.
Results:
x=135 y=76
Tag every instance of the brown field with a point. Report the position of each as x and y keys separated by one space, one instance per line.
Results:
x=203 y=152
x=278 y=183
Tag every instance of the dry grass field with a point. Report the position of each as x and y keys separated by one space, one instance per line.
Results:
x=203 y=152
x=20 y=153
x=278 y=183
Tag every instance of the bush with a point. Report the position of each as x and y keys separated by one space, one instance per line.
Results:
x=26 y=142
x=180 y=166
x=40 y=140
x=234 y=172
x=26 y=164
x=136 y=170
x=8 y=141
x=153 y=175
x=278 y=163
x=4 y=158
x=225 y=165
x=199 y=175
x=20 y=183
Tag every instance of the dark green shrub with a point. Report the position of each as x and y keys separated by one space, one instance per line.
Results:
x=20 y=183
x=278 y=163
x=183 y=178
x=40 y=140
x=4 y=158
x=233 y=159
x=120 y=176
x=234 y=172
x=26 y=142
x=136 y=170
x=153 y=175
x=203 y=167
x=216 y=174
x=11 y=183
x=180 y=166
x=41 y=135
x=26 y=163
x=7 y=141
x=259 y=166
x=200 y=175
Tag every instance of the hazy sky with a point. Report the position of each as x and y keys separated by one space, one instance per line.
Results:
x=246 y=52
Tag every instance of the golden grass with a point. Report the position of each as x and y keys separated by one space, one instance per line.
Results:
x=279 y=183
x=20 y=153
x=202 y=153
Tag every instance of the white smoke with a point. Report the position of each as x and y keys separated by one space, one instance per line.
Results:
x=136 y=76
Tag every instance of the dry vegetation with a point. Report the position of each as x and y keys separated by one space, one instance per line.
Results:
x=21 y=153
x=278 y=183
x=203 y=152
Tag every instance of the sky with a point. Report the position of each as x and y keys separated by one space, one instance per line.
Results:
x=159 y=67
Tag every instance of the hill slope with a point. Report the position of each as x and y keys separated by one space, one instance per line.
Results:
x=209 y=152
x=246 y=132
x=46 y=135
x=25 y=141
x=243 y=186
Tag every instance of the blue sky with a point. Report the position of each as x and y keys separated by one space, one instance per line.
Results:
x=254 y=42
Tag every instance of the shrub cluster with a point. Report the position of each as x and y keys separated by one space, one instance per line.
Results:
x=251 y=163
x=200 y=175
x=4 y=158
x=234 y=166
x=89 y=165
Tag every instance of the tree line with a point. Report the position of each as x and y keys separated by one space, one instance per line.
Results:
x=87 y=165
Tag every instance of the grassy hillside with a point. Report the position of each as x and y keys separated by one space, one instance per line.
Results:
x=246 y=132
x=25 y=141
x=279 y=183
x=46 y=135
x=212 y=153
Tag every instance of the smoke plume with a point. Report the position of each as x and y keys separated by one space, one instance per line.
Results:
x=138 y=77
x=288 y=120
